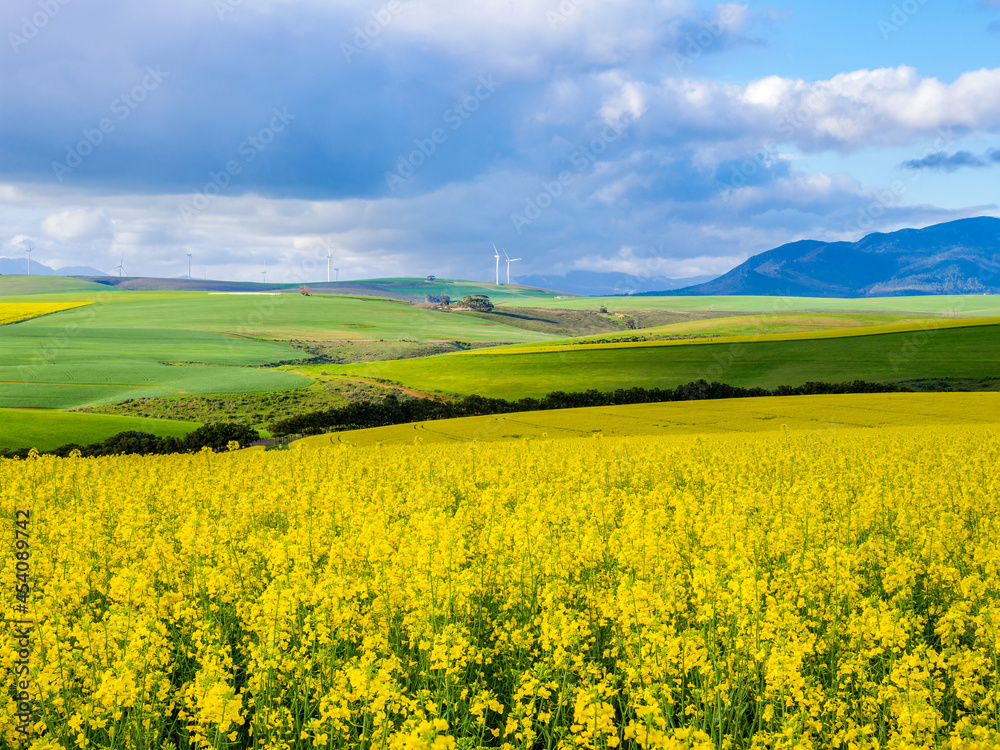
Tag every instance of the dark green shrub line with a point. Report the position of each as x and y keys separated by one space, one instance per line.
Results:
x=392 y=410
x=215 y=436
x=363 y=414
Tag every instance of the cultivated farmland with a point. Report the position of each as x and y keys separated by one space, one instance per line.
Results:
x=779 y=589
x=917 y=352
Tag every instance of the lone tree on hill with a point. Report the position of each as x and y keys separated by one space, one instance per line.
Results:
x=477 y=302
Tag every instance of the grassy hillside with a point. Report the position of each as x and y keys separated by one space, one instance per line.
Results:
x=754 y=335
x=21 y=285
x=130 y=345
x=972 y=305
x=744 y=415
x=966 y=353
x=288 y=316
x=746 y=325
x=398 y=288
x=46 y=429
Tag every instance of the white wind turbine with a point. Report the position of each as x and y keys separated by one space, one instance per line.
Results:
x=496 y=254
x=509 y=261
x=329 y=263
x=31 y=249
x=264 y=272
x=120 y=268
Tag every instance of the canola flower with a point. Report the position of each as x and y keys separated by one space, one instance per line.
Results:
x=779 y=590
x=15 y=312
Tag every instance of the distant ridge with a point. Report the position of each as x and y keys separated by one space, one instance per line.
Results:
x=19 y=266
x=606 y=283
x=185 y=284
x=957 y=257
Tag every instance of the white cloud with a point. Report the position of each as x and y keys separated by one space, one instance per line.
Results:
x=77 y=224
x=628 y=260
x=849 y=112
x=534 y=36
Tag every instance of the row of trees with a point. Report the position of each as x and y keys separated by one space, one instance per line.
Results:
x=477 y=302
x=393 y=410
x=217 y=437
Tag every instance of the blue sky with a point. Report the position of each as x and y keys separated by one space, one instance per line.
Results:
x=655 y=137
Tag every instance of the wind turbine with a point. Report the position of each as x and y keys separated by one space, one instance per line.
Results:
x=329 y=262
x=509 y=261
x=189 y=265
x=496 y=253
x=31 y=249
x=120 y=268
x=264 y=272
x=338 y=273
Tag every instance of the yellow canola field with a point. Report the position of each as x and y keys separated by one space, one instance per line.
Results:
x=15 y=312
x=773 y=590
x=743 y=415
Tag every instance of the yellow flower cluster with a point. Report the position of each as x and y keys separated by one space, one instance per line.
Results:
x=14 y=312
x=778 y=590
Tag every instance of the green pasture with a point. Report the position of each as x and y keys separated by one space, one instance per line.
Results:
x=755 y=336
x=11 y=286
x=48 y=429
x=293 y=316
x=158 y=344
x=963 y=305
x=952 y=353
x=752 y=325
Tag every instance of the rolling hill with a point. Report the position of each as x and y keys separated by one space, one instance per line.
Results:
x=405 y=289
x=959 y=257
x=959 y=349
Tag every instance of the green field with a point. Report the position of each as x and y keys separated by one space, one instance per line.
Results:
x=128 y=345
x=967 y=305
x=949 y=353
x=288 y=316
x=29 y=285
x=739 y=415
x=47 y=429
x=154 y=344
x=755 y=335
x=751 y=325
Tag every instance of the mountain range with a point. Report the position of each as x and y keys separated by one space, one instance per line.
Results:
x=958 y=257
x=12 y=266
x=604 y=284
